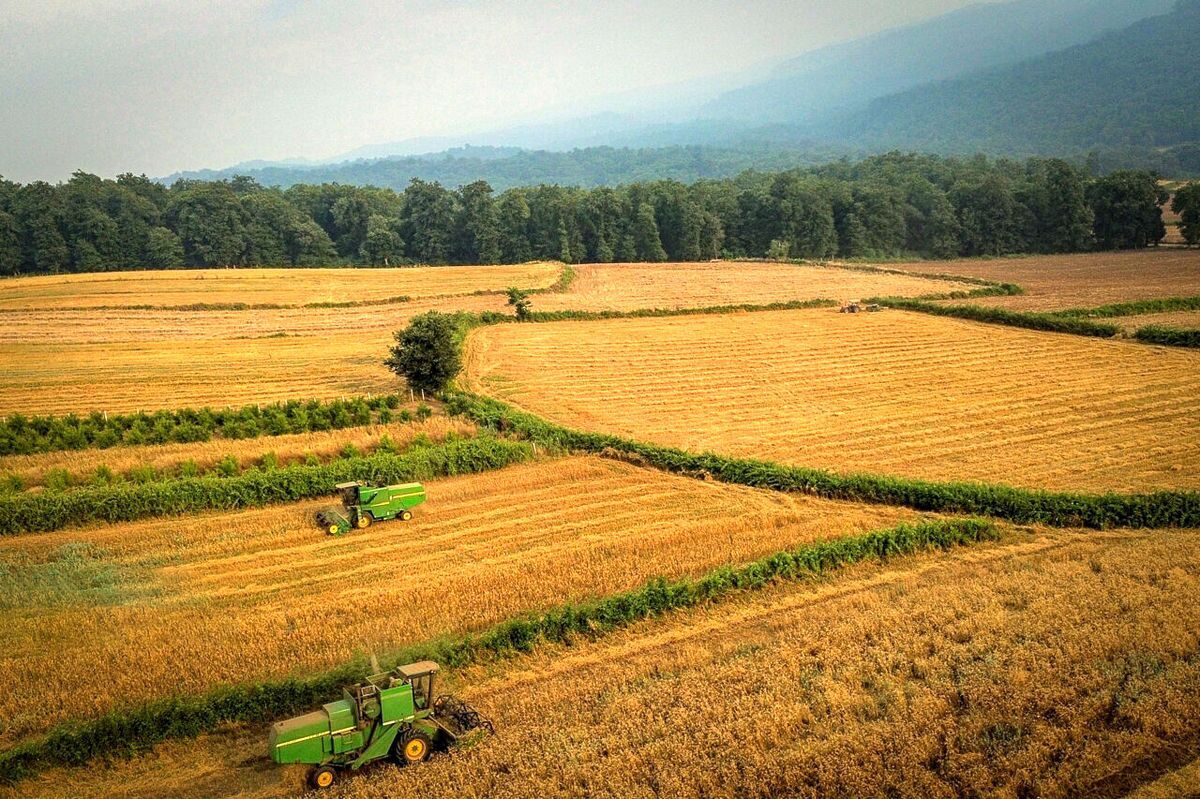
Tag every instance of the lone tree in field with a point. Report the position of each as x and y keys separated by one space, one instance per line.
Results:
x=518 y=300
x=425 y=353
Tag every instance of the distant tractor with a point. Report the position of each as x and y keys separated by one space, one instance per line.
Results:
x=392 y=715
x=362 y=505
x=857 y=306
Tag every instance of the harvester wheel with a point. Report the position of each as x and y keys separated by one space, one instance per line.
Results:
x=322 y=777
x=414 y=748
x=364 y=521
x=333 y=529
x=405 y=515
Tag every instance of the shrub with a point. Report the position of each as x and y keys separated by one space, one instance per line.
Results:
x=426 y=353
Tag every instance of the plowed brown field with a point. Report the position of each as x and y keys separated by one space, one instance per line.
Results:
x=118 y=614
x=889 y=393
x=1055 y=664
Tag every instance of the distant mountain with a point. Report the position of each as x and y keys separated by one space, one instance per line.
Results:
x=847 y=76
x=1138 y=87
x=588 y=167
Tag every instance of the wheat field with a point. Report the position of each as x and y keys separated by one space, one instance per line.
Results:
x=629 y=287
x=1050 y=664
x=98 y=612
x=265 y=286
x=889 y=393
x=1084 y=280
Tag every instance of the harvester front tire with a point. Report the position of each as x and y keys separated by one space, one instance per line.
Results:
x=334 y=529
x=364 y=521
x=322 y=777
x=415 y=748
x=405 y=515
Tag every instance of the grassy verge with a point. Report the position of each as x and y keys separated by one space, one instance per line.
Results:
x=129 y=731
x=46 y=511
x=1053 y=323
x=1059 y=509
x=1135 y=308
x=1170 y=336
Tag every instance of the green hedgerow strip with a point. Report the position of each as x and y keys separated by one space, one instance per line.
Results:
x=46 y=511
x=1135 y=308
x=24 y=435
x=1058 y=509
x=1001 y=316
x=1173 y=337
x=127 y=732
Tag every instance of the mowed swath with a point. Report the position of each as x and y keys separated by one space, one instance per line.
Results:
x=628 y=287
x=1084 y=280
x=264 y=593
x=889 y=393
x=977 y=668
x=266 y=286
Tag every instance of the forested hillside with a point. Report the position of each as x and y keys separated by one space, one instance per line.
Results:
x=885 y=206
x=1132 y=88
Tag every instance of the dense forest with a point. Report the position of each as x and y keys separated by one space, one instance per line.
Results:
x=886 y=206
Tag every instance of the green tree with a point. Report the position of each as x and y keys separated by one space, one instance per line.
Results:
x=164 y=250
x=426 y=352
x=518 y=300
x=10 y=245
x=1057 y=197
x=478 y=228
x=1127 y=209
x=647 y=244
x=514 y=216
x=382 y=245
x=1187 y=205
x=427 y=222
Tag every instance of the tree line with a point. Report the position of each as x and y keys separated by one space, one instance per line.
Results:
x=882 y=207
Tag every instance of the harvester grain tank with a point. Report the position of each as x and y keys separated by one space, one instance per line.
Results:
x=362 y=505
x=391 y=715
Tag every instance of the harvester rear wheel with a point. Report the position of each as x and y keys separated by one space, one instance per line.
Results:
x=415 y=748
x=322 y=777
x=405 y=515
x=364 y=521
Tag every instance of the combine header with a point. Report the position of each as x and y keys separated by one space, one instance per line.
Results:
x=362 y=505
x=392 y=715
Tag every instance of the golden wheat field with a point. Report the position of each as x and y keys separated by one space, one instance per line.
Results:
x=32 y=470
x=1086 y=280
x=253 y=589
x=890 y=393
x=1050 y=664
x=629 y=287
x=266 y=286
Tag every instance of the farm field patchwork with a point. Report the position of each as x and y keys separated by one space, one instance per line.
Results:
x=888 y=393
x=1085 y=280
x=266 y=286
x=100 y=610
x=1054 y=663
x=629 y=287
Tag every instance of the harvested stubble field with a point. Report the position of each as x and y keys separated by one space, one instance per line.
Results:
x=266 y=286
x=123 y=613
x=1183 y=320
x=1086 y=280
x=1050 y=664
x=889 y=393
x=32 y=470
x=630 y=287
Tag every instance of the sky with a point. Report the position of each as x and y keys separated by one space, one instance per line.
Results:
x=156 y=86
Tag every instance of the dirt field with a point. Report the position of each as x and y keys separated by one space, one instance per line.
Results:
x=265 y=286
x=628 y=287
x=1057 y=282
x=254 y=589
x=1055 y=664
x=890 y=393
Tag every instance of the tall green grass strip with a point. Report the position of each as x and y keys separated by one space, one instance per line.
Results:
x=1002 y=316
x=127 y=732
x=1058 y=509
x=46 y=511
x=1135 y=308
x=1170 y=336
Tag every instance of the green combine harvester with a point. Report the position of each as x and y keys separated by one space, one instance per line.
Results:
x=362 y=505
x=392 y=715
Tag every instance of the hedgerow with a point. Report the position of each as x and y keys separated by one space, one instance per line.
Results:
x=45 y=511
x=126 y=732
x=1173 y=337
x=1059 y=509
x=23 y=435
x=1135 y=308
x=1002 y=316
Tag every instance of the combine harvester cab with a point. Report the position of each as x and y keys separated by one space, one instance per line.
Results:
x=362 y=505
x=392 y=715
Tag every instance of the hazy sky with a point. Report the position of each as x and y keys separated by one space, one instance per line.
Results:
x=159 y=85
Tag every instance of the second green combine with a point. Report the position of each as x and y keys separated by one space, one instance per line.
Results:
x=363 y=505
